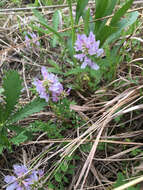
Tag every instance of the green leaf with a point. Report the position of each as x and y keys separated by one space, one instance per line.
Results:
x=117 y=16
x=53 y=70
x=1 y=90
x=4 y=142
x=86 y=19
x=81 y=4
x=103 y=9
x=120 y=180
x=58 y=177
x=1 y=148
x=54 y=64
x=105 y=33
x=35 y=106
x=124 y=23
x=17 y=129
x=19 y=138
x=12 y=85
x=64 y=167
x=2 y=114
x=110 y=7
x=74 y=71
x=55 y=23
x=44 y=22
x=70 y=46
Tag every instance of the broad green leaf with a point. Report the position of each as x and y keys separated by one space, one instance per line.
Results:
x=70 y=46
x=110 y=8
x=117 y=16
x=81 y=4
x=86 y=19
x=44 y=22
x=55 y=23
x=124 y=23
x=33 y=107
x=105 y=33
x=73 y=33
x=103 y=9
x=12 y=85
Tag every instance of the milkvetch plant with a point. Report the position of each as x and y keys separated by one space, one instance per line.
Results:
x=23 y=179
x=9 y=111
x=49 y=89
x=89 y=49
x=31 y=36
x=49 y=85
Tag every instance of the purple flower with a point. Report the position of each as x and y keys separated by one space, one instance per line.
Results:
x=87 y=46
x=90 y=63
x=33 y=38
x=50 y=85
x=23 y=181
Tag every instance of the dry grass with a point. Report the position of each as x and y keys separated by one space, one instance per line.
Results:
x=96 y=169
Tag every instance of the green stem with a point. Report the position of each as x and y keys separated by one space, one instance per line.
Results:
x=72 y=22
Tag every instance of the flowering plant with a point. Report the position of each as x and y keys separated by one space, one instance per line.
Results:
x=50 y=85
x=31 y=36
x=88 y=47
x=23 y=181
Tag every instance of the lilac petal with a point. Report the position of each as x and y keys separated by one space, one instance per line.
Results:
x=33 y=37
x=68 y=91
x=94 y=66
x=9 y=179
x=56 y=88
x=93 y=49
x=44 y=73
x=19 y=188
x=100 y=52
x=27 y=41
x=45 y=96
x=41 y=173
x=39 y=86
x=84 y=65
x=34 y=176
x=80 y=42
x=90 y=41
x=41 y=90
x=80 y=56
x=20 y=170
x=52 y=78
x=91 y=37
x=12 y=186
x=55 y=97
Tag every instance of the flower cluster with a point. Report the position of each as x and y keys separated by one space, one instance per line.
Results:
x=22 y=181
x=50 y=85
x=87 y=46
x=31 y=36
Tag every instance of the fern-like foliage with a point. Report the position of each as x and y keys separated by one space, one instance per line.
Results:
x=33 y=107
x=12 y=85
